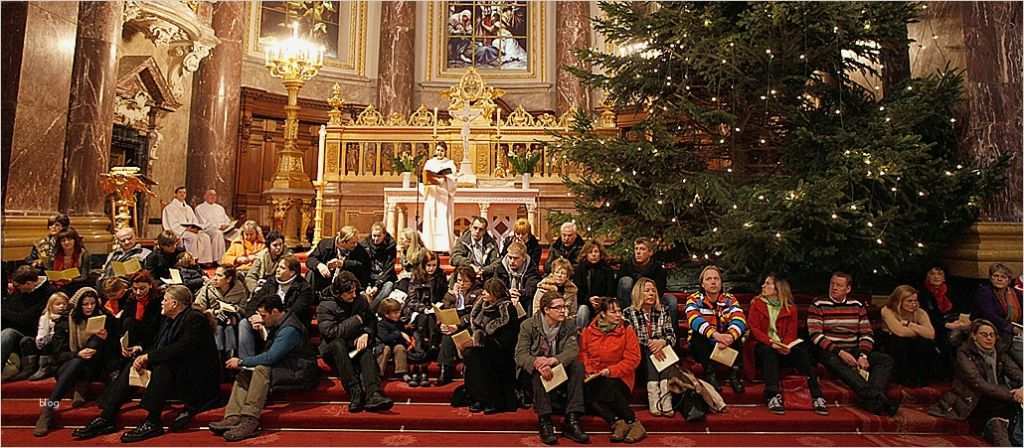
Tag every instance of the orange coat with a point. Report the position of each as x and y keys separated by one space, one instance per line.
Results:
x=238 y=248
x=618 y=351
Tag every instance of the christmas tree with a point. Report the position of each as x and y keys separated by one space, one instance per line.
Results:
x=759 y=151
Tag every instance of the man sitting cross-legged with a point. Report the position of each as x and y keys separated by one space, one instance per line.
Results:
x=547 y=340
x=184 y=364
x=289 y=361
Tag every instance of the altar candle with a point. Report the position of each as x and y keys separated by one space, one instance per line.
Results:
x=498 y=124
x=321 y=154
x=435 y=122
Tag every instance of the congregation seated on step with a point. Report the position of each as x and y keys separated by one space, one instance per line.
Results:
x=577 y=339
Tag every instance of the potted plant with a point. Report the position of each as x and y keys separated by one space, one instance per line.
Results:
x=524 y=164
x=406 y=163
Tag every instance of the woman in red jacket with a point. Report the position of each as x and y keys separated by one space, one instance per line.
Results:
x=772 y=320
x=610 y=353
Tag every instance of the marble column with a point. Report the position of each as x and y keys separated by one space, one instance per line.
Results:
x=91 y=107
x=397 y=57
x=571 y=33
x=983 y=40
x=214 y=116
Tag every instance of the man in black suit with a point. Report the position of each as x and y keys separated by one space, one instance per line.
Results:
x=341 y=253
x=184 y=365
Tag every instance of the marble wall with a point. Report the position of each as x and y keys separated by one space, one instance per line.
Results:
x=573 y=33
x=983 y=39
x=37 y=142
x=397 y=57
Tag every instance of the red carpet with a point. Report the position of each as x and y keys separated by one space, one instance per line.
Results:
x=23 y=437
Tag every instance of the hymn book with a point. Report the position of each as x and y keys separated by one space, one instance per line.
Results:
x=670 y=358
x=95 y=324
x=127 y=267
x=67 y=274
x=558 y=377
x=139 y=378
x=724 y=355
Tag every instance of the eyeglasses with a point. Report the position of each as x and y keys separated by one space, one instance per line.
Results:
x=986 y=334
x=559 y=307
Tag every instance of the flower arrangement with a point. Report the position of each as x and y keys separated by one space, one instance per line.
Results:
x=525 y=162
x=406 y=162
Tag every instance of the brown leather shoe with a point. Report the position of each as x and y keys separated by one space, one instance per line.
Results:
x=636 y=432
x=248 y=427
x=44 y=423
x=225 y=424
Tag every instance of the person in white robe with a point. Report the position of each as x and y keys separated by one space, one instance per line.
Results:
x=215 y=222
x=438 y=201
x=177 y=213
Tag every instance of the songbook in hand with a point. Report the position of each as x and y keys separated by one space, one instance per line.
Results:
x=724 y=355
x=175 y=278
x=127 y=267
x=447 y=316
x=669 y=359
x=558 y=377
x=139 y=378
x=95 y=324
x=67 y=274
x=191 y=226
x=793 y=343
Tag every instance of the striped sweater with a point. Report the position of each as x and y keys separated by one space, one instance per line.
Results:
x=707 y=317
x=836 y=326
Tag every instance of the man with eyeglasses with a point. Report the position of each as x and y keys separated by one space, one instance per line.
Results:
x=548 y=340
x=127 y=247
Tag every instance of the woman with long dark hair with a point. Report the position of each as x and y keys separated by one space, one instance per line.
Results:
x=490 y=357
x=70 y=252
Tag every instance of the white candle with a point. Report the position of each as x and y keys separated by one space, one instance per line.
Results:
x=498 y=123
x=321 y=154
x=435 y=122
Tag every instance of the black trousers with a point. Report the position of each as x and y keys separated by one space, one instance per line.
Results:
x=75 y=370
x=770 y=361
x=871 y=393
x=162 y=387
x=609 y=399
x=361 y=370
x=913 y=358
x=701 y=347
x=573 y=388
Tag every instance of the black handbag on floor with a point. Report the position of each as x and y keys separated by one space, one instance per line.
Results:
x=690 y=405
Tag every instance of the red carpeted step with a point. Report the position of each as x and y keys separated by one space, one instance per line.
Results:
x=330 y=389
x=62 y=437
x=301 y=415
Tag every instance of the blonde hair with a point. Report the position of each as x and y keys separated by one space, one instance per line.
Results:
x=52 y=301
x=414 y=244
x=707 y=268
x=637 y=294
x=348 y=233
x=185 y=260
x=251 y=225
x=782 y=290
x=561 y=263
x=522 y=225
x=898 y=296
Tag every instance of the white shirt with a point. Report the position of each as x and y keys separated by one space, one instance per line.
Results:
x=177 y=213
x=212 y=216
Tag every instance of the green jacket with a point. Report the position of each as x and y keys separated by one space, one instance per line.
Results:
x=531 y=338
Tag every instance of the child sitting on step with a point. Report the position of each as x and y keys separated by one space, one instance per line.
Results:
x=393 y=341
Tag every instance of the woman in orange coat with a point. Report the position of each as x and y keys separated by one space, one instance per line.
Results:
x=610 y=353
x=242 y=252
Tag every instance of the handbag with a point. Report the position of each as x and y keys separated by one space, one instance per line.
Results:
x=690 y=405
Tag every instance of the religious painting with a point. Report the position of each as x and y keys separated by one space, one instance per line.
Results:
x=487 y=34
x=277 y=19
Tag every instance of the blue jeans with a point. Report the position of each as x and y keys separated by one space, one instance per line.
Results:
x=247 y=338
x=583 y=316
x=383 y=293
x=9 y=340
x=669 y=301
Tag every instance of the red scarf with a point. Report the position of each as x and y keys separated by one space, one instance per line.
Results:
x=939 y=292
x=140 y=307
x=113 y=305
x=1009 y=303
x=58 y=262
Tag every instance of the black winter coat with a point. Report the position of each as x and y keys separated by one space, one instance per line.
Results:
x=21 y=311
x=346 y=320
x=299 y=298
x=191 y=353
x=357 y=262
x=382 y=260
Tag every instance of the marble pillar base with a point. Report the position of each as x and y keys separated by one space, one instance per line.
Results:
x=983 y=244
x=22 y=231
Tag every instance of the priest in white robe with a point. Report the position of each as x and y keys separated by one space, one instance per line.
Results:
x=175 y=215
x=215 y=222
x=439 y=181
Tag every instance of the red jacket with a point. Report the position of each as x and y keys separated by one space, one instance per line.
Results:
x=618 y=351
x=785 y=323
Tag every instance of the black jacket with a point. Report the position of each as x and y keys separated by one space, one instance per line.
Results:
x=299 y=298
x=382 y=260
x=390 y=332
x=191 y=352
x=462 y=253
x=525 y=279
x=159 y=264
x=652 y=270
x=21 y=311
x=357 y=262
x=594 y=280
x=143 y=332
x=423 y=294
x=558 y=250
x=298 y=369
x=346 y=320
x=532 y=249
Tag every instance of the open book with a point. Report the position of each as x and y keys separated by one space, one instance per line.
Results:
x=127 y=267
x=67 y=274
x=794 y=343
x=447 y=316
x=175 y=278
x=189 y=225
x=95 y=324
x=139 y=378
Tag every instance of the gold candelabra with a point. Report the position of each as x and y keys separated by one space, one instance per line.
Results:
x=295 y=61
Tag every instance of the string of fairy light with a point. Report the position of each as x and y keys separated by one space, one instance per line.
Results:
x=879 y=171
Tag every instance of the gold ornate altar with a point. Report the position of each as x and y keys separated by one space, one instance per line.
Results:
x=359 y=153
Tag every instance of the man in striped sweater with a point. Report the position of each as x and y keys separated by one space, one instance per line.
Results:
x=841 y=332
x=715 y=318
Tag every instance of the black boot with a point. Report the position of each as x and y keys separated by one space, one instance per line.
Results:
x=47 y=367
x=712 y=378
x=571 y=428
x=736 y=381
x=356 y=397
x=375 y=401
x=29 y=364
x=547 y=431
x=447 y=375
